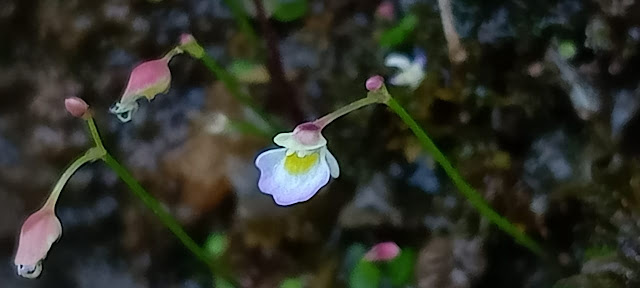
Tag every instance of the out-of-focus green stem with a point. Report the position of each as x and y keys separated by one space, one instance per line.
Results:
x=469 y=192
x=93 y=154
x=234 y=88
x=241 y=18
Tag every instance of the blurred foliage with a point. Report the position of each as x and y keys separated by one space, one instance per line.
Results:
x=399 y=33
x=290 y=10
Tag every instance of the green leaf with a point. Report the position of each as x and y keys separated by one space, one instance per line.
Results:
x=289 y=10
x=398 y=34
x=365 y=275
x=221 y=283
x=216 y=245
x=291 y=283
x=400 y=269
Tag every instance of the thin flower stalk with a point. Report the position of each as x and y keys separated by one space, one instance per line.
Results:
x=475 y=198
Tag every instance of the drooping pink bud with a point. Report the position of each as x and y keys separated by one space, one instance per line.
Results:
x=386 y=11
x=307 y=133
x=38 y=233
x=384 y=251
x=374 y=83
x=76 y=107
x=146 y=80
x=149 y=79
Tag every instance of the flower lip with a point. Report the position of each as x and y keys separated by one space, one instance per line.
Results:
x=286 y=188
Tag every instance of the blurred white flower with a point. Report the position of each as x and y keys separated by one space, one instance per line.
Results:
x=410 y=72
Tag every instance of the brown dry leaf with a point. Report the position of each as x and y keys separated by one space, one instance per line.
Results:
x=199 y=166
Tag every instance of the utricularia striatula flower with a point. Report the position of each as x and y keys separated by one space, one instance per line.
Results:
x=146 y=80
x=410 y=72
x=302 y=165
x=296 y=171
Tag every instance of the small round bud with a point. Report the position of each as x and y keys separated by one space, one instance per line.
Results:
x=374 y=83
x=189 y=44
x=76 y=106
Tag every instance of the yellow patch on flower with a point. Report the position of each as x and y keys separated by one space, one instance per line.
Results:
x=299 y=165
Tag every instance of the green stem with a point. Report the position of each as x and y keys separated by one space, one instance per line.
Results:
x=471 y=194
x=89 y=156
x=152 y=203
x=241 y=18
x=155 y=206
x=94 y=134
x=325 y=120
x=234 y=88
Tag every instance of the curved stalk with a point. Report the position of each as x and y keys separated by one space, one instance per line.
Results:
x=469 y=192
x=152 y=203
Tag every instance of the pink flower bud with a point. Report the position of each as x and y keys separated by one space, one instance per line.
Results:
x=374 y=83
x=76 y=106
x=186 y=38
x=38 y=233
x=147 y=80
x=189 y=44
x=384 y=251
x=307 y=133
x=386 y=11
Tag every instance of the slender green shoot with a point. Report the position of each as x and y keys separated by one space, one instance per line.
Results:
x=234 y=87
x=469 y=192
x=241 y=18
x=152 y=203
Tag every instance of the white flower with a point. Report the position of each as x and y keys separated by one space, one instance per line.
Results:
x=411 y=73
x=297 y=171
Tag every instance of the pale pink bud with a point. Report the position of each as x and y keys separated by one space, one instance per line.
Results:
x=186 y=38
x=189 y=44
x=307 y=133
x=38 y=233
x=147 y=80
x=384 y=251
x=374 y=83
x=386 y=11
x=76 y=106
